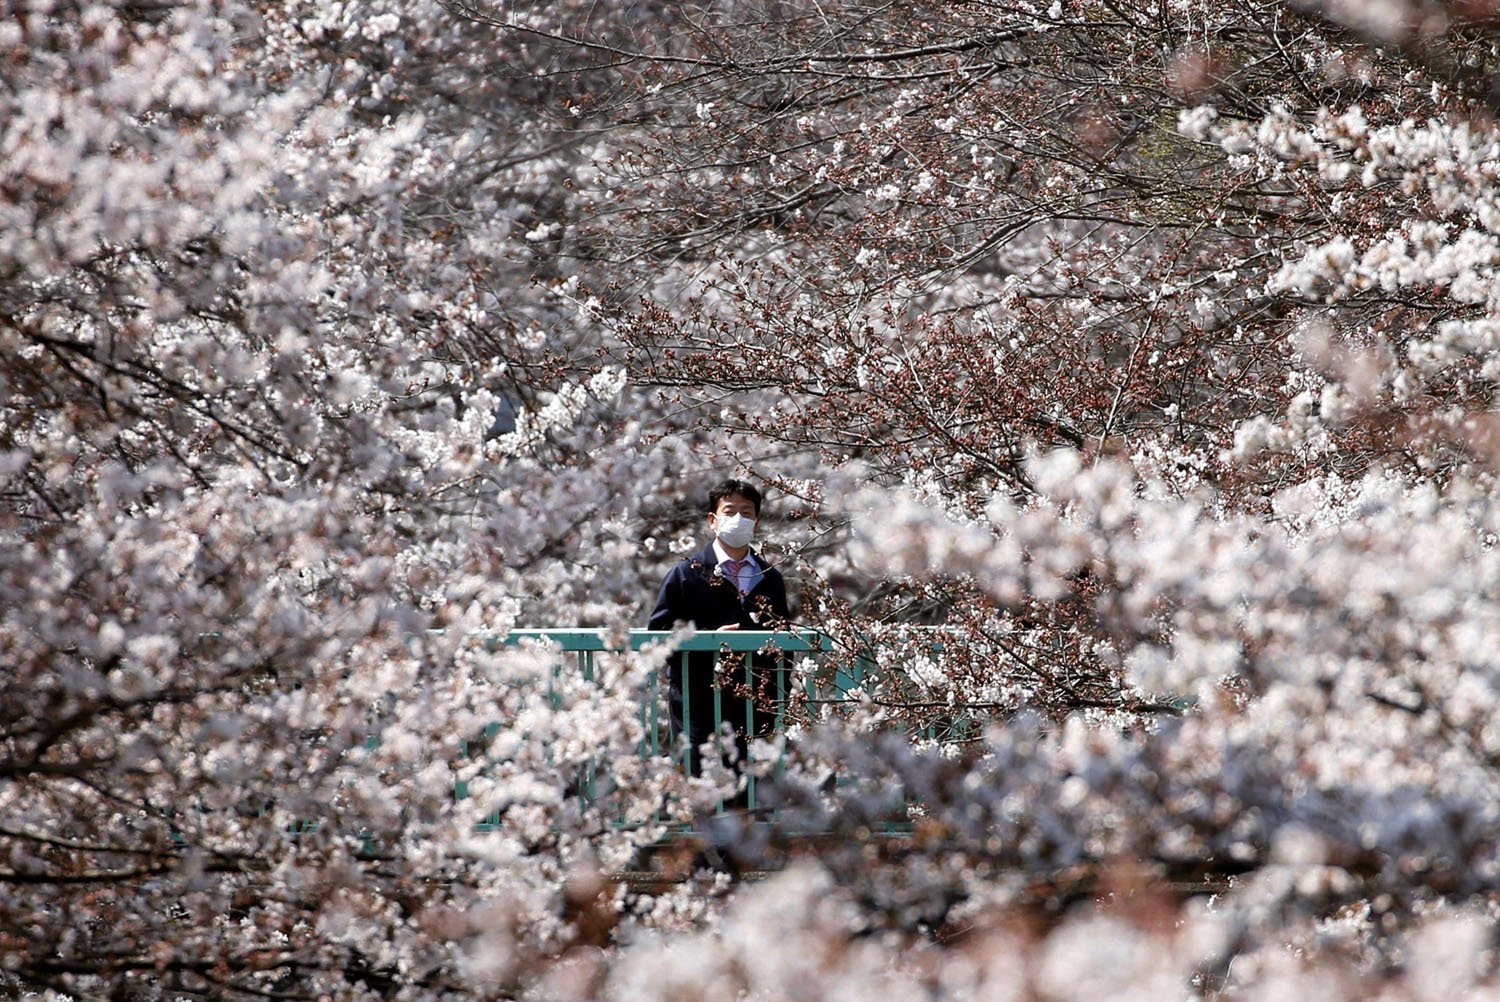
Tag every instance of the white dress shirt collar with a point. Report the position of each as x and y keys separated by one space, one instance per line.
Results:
x=748 y=574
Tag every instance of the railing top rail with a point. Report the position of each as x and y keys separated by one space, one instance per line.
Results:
x=704 y=640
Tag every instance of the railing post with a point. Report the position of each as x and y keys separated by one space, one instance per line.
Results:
x=718 y=714
x=749 y=730
x=687 y=718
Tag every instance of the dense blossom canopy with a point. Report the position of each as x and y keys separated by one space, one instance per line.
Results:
x=1144 y=356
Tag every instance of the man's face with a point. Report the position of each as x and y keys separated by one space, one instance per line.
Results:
x=733 y=504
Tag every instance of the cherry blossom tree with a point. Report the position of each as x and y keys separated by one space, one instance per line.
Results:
x=1145 y=355
x=279 y=467
x=1250 y=324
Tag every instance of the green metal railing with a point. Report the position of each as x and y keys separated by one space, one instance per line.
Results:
x=778 y=655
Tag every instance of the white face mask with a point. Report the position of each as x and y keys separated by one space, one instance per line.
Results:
x=734 y=531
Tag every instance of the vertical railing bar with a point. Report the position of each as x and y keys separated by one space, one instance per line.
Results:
x=552 y=689
x=648 y=728
x=643 y=746
x=718 y=715
x=589 y=791
x=783 y=663
x=656 y=698
x=810 y=688
x=655 y=686
x=687 y=715
x=749 y=732
x=783 y=697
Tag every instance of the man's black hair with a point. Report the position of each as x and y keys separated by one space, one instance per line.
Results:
x=731 y=486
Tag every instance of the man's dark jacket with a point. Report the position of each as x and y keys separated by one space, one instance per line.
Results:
x=696 y=591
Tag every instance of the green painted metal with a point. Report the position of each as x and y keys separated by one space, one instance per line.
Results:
x=575 y=640
x=820 y=687
x=585 y=644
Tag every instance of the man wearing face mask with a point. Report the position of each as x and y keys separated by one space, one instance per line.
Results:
x=724 y=586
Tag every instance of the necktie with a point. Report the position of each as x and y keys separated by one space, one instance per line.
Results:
x=732 y=570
